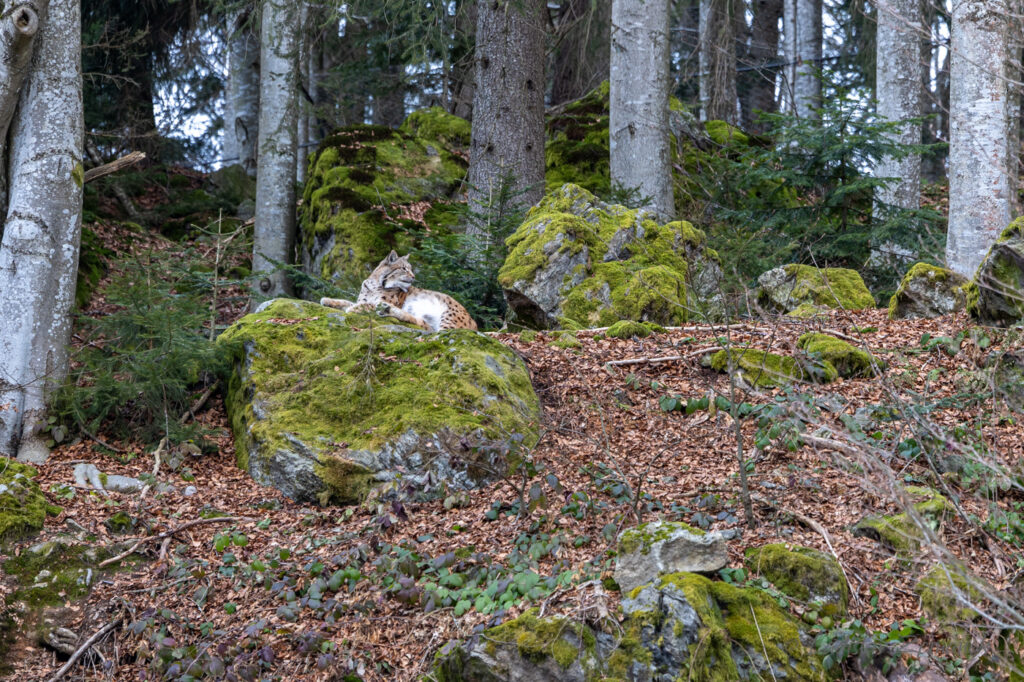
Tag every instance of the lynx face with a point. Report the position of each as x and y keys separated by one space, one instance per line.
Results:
x=392 y=273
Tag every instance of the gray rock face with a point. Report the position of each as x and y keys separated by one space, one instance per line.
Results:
x=326 y=405
x=662 y=547
x=579 y=260
x=996 y=294
x=802 y=290
x=927 y=291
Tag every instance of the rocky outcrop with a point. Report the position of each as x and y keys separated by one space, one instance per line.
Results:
x=325 y=405
x=662 y=547
x=927 y=291
x=579 y=262
x=372 y=189
x=996 y=294
x=804 y=574
x=804 y=290
x=851 y=362
x=901 y=532
x=23 y=507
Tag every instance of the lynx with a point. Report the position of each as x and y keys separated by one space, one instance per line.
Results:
x=389 y=289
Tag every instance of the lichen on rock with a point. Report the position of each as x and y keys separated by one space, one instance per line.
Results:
x=789 y=287
x=763 y=369
x=325 y=405
x=849 y=361
x=927 y=291
x=662 y=547
x=804 y=574
x=579 y=262
x=995 y=295
x=23 y=507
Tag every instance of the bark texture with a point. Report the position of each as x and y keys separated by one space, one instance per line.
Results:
x=807 y=86
x=39 y=251
x=757 y=85
x=638 y=107
x=789 y=52
x=274 y=232
x=461 y=72
x=898 y=83
x=718 y=61
x=241 y=130
x=981 y=175
x=508 y=103
x=583 y=50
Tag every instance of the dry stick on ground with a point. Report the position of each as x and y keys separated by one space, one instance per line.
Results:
x=664 y=358
x=167 y=534
x=198 y=404
x=85 y=647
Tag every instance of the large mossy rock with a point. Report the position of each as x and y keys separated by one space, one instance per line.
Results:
x=23 y=507
x=683 y=626
x=324 y=404
x=851 y=362
x=996 y=294
x=766 y=370
x=368 y=186
x=927 y=291
x=804 y=574
x=900 y=532
x=579 y=262
x=803 y=290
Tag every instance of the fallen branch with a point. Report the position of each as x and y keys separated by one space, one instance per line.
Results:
x=167 y=534
x=664 y=358
x=99 y=634
x=198 y=404
x=117 y=164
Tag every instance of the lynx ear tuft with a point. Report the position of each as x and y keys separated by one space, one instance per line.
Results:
x=392 y=257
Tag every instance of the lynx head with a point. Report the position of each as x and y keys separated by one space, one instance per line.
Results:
x=393 y=273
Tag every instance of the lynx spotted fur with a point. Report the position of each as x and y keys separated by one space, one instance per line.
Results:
x=389 y=289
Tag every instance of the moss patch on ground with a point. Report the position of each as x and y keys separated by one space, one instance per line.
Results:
x=799 y=285
x=947 y=595
x=339 y=382
x=23 y=506
x=899 y=531
x=538 y=639
x=763 y=369
x=627 y=329
x=803 y=574
x=849 y=361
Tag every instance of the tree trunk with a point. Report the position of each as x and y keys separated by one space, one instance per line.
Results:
x=274 y=234
x=243 y=91
x=39 y=251
x=460 y=85
x=789 y=51
x=17 y=35
x=757 y=85
x=898 y=83
x=980 y=173
x=638 y=112
x=717 y=61
x=508 y=105
x=807 y=87
x=302 y=126
x=581 y=58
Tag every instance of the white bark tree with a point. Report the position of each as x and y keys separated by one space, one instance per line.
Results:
x=638 y=107
x=508 y=104
x=789 y=54
x=274 y=232
x=981 y=162
x=898 y=78
x=41 y=233
x=807 y=83
x=302 y=134
x=242 y=99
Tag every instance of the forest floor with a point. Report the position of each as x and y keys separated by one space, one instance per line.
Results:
x=236 y=585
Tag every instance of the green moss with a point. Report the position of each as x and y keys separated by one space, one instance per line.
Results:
x=626 y=329
x=642 y=537
x=994 y=295
x=538 y=639
x=849 y=361
x=528 y=336
x=764 y=369
x=900 y=532
x=727 y=135
x=56 y=571
x=803 y=574
x=829 y=287
x=121 y=522
x=352 y=382
x=437 y=124
x=807 y=311
x=23 y=507
x=733 y=617
x=566 y=340
x=922 y=271
x=945 y=593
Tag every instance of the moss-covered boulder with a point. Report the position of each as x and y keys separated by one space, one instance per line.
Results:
x=996 y=294
x=765 y=370
x=900 y=532
x=368 y=187
x=804 y=288
x=948 y=595
x=927 y=291
x=804 y=574
x=23 y=507
x=851 y=362
x=661 y=547
x=579 y=262
x=324 y=405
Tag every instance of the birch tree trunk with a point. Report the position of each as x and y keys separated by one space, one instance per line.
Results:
x=508 y=105
x=243 y=91
x=789 y=51
x=304 y=105
x=17 y=34
x=980 y=172
x=807 y=86
x=39 y=251
x=274 y=232
x=898 y=83
x=638 y=107
x=717 y=61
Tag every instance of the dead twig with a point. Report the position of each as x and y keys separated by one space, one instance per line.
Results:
x=198 y=404
x=117 y=164
x=167 y=534
x=99 y=634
